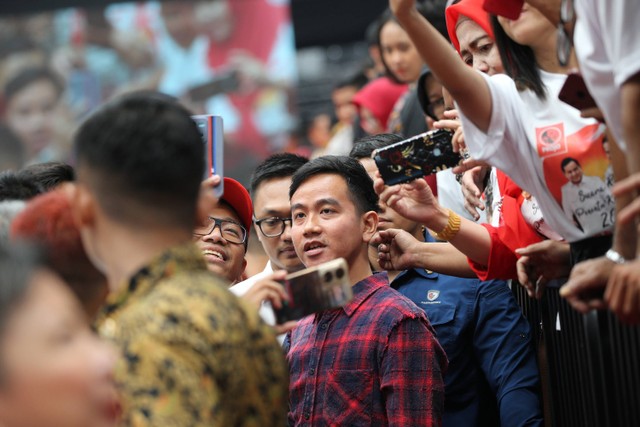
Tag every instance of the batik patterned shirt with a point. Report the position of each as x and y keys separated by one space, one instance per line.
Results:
x=374 y=362
x=192 y=353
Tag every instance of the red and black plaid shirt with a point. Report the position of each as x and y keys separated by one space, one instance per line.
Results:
x=375 y=362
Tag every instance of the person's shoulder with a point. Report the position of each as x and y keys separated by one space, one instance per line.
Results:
x=390 y=303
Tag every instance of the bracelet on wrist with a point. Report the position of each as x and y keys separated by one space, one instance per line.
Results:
x=452 y=228
x=613 y=256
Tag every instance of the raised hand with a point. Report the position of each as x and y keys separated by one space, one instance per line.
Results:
x=541 y=262
x=395 y=249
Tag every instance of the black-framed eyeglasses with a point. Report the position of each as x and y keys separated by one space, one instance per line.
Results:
x=564 y=44
x=230 y=231
x=272 y=226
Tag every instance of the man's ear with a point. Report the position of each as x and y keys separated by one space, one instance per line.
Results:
x=83 y=204
x=370 y=223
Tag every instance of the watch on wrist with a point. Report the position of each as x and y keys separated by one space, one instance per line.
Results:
x=615 y=257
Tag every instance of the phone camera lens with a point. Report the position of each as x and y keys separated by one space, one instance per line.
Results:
x=340 y=273
x=328 y=276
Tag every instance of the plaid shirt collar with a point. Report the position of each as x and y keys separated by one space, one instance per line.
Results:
x=363 y=290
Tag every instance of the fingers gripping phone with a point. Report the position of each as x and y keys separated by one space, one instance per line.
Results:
x=210 y=128
x=415 y=157
x=315 y=289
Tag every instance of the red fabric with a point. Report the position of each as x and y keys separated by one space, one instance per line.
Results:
x=256 y=26
x=238 y=198
x=473 y=10
x=508 y=8
x=513 y=233
x=375 y=362
x=379 y=97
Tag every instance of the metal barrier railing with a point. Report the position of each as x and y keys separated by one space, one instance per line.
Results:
x=590 y=364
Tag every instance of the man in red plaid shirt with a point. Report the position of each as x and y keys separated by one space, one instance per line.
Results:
x=374 y=362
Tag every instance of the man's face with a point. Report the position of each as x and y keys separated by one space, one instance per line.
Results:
x=388 y=218
x=573 y=172
x=346 y=112
x=271 y=200
x=223 y=258
x=326 y=223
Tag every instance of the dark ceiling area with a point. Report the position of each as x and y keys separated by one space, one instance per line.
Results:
x=316 y=22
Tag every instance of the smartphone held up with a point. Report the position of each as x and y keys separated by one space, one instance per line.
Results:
x=415 y=157
x=315 y=289
x=210 y=128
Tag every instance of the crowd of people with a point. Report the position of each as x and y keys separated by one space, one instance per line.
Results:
x=125 y=297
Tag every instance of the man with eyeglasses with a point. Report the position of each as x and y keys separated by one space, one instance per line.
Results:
x=272 y=220
x=224 y=235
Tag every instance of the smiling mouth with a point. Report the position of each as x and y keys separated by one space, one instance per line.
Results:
x=214 y=254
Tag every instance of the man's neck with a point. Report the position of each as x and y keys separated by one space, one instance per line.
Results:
x=129 y=251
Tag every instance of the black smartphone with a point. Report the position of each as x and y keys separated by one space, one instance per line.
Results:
x=575 y=93
x=415 y=157
x=315 y=289
x=210 y=128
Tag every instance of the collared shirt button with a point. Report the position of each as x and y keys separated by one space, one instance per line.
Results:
x=312 y=371
x=307 y=416
x=323 y=326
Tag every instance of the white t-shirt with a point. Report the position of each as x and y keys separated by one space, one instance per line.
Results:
x=589 y=203
x=528 y=138
x=607 y=42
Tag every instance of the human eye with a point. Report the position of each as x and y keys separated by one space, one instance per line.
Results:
x=232 y=228
x=327 y=211
x=298 y=216
x=485 y=48
x=271 y=222
x=468 y=59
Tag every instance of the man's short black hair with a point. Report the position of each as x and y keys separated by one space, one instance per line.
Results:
x=367 y=145
x=357 y=80
x=143 y=158
x=280 y=165
x=358 y=181
x=568 y=160
x=48 y=175
x=13 y=186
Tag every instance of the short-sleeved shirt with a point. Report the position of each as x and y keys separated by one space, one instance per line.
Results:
x=192 y=353
x=374 y=362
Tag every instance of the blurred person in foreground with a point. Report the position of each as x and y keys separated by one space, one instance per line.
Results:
x=47 y=220
x=193 y=354
x=374 y=361
x=55 y=371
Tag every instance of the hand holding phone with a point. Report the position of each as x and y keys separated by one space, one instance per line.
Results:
x=415 y=157
x=315 y=289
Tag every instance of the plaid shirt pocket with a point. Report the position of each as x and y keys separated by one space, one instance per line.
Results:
x=349 y=396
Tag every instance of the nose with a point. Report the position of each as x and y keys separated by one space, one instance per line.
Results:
x=215 y=235
x=480 y=64
x=286 y=234
x=311 y=226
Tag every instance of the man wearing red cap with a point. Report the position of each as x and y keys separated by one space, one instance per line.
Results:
x=223 y=237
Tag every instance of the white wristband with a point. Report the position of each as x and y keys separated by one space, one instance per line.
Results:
x=614 y=256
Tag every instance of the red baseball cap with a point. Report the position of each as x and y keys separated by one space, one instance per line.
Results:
x=238 y=198
x=508 y=8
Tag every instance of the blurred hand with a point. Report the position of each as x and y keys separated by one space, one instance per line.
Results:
x=413 y=200
x=395 y=249
x=587 y=283
x=592 y=113
x=628 y=186
x=469 y=164
x=623 y=291
x=454 y=124
x=541 y=262
x=472 y=188
x=268 y=289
